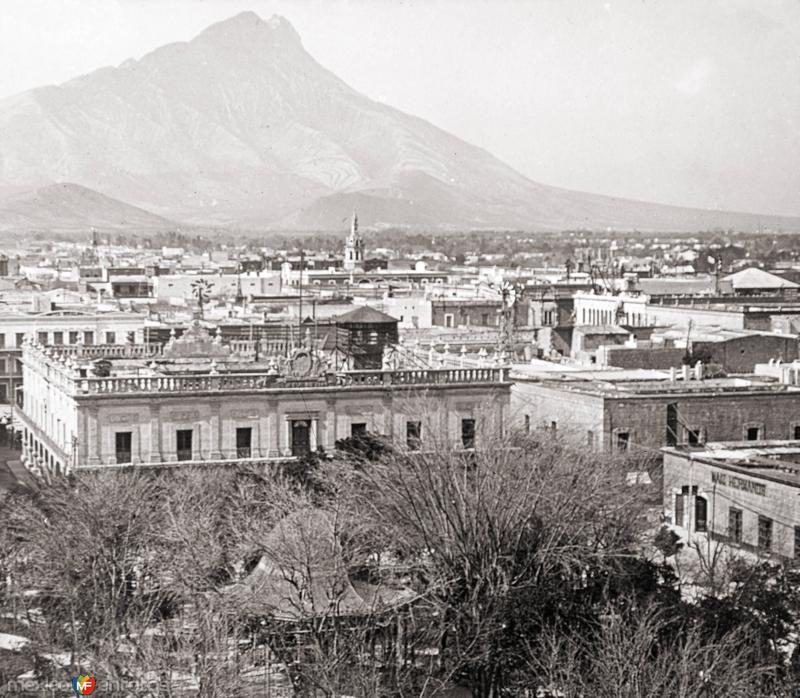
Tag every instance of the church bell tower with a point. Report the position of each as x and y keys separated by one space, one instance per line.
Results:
x=354 y=247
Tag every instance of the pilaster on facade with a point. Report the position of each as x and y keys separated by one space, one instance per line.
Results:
x=214 y=433
x=93 y=437
x=155 y=454
x=329 y=432
x=274 y=432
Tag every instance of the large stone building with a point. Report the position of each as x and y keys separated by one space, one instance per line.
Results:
x=195 y=400
x=742 y=493
x=727 y=312
x=65 y=325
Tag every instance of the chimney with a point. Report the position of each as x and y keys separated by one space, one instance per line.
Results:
x=698 y=370
x=687 y=375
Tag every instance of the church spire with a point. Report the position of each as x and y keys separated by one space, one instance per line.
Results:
x=354 y=246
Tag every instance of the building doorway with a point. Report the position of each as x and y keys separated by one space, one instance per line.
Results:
x=301 y=437
x=183 y=444
x=700 y=514
x=122 y=446
x=244 y=439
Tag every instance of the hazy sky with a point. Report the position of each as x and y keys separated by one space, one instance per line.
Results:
x=691 y=102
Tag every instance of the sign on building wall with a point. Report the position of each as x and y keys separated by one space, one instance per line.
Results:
x=739 y=483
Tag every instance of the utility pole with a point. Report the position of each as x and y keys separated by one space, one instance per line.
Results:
x=300 y=311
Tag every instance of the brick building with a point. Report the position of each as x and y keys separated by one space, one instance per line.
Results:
x=735 y=351
x=627 y=409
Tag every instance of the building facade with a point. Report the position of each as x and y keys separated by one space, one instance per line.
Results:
x=640 y=310
x=143 y=405
x=743 y=495
x=59 y=327
x=638 y=410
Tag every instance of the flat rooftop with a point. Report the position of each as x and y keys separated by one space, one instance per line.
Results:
x=648 y=383
x=778 y=461
x=542 y=368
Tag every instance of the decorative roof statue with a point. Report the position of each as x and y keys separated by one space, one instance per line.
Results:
x=196 y=342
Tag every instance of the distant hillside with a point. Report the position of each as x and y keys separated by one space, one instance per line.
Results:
x=72 y=208
x=242 y=127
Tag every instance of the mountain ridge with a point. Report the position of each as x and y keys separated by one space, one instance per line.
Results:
x=68 y=207
x=241 y=126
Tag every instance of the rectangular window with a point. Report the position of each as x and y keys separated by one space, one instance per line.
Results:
x=735 y=525
x=2 y=341
x=111 y=337
x=448 y=320
x=58 y=337
x=122 y=446
x=42 y=337
x=623 y=440
x=590 y=438
x=796 y=431
x=797 y=542
x=764 y=533
x=19 y=338
x=753 y=433
x=3 y=366
x=183 y=444
x=413 y=435
x=88 y=338
x=358 y=429
x=244 y=437
x=484 y=319
x=527 y=424
x=73 y=337
x=3 y=393
x=468 y=433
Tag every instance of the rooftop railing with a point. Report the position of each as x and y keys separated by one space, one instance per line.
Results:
x=111 y=351
x=263 y=381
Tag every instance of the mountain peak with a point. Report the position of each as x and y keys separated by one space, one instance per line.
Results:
x=242 y=126
x=248 y=25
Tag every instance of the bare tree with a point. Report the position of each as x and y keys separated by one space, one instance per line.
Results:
x=643 y=654
x=491 y=527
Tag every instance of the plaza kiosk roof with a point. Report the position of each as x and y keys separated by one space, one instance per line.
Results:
x=302 y=575
x=754 y=278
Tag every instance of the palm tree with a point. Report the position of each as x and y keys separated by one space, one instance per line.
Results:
x=201 y=289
